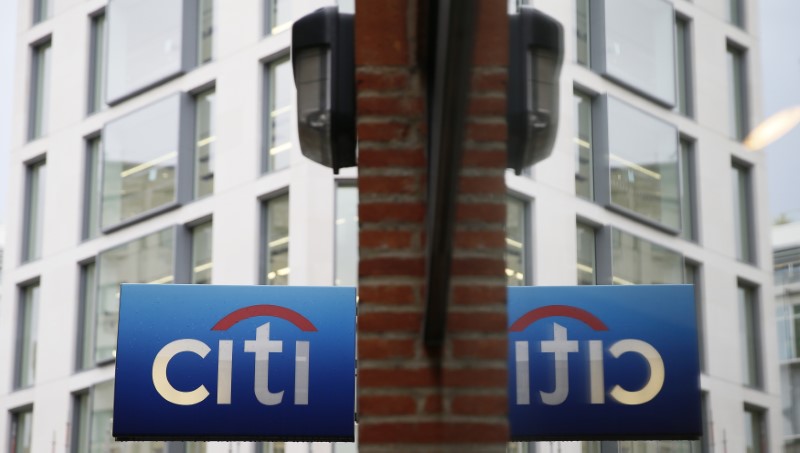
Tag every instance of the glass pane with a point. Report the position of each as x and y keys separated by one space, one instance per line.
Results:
x=639 y=46
x=735 y=15
x=636 y=261
x=346 y=271
x=88 y=307
x=693 y=278
x=582 y=30
x=34 y=210
x=205 y=29
x=583 y=146
x=755 y=437
x=279 y=15
x=748 y=329
x=742 y=213
x=97 y=76
x=280 y=121
x=101 y=440
x=145 y=260
x=91 y=228
x=144 y=45
x=736 y=93
x=202 y=262
x=21 y=428
x=80 y=423
x=515 y=242
x=29 y=316
x=140 y=156
x=204 y=144
x=687 y=190
x=41 y=10
x=40 y=97
x=682 y=54
x=586 y=255
x=643 y=163
x=277 y=238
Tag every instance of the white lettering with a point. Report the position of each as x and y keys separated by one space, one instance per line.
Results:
x=561 y=348
x=160 y=380
x=654 y=383
x=262 y=346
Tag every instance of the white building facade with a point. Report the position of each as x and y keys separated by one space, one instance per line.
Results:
x=155 y=143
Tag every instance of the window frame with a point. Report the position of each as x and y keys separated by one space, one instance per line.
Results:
x=696 y=270
x=685 y=90
x=39 y=91
x=32 y=219
x=87 y=307
x=746 y=209
x=191 y=235
x=203 y=90
x=753 y=322
x=688 y=177
x=604 y=254
x=268 y=90
x=594 y=228
x=92 y=179
x=264 y=233
x=739 y=123
x=14 y=422
x=763 y=424
x=350 y=184
x=98 y=42
x=270 y=27
x=591 y=97
x=526 y=253
x=23 y=331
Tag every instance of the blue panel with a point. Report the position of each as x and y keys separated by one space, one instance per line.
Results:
x=320 y=320
x=626 y=323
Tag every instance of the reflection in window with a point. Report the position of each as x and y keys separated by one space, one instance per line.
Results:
x=687 y=190
x=737 y=93
x=145 y=260
x=742 y=213
x=586 y=254
x=636 y=261
x=140 y=156
x=202 y=262
x=279 y=15
x=40 y=91
x=346 y=270
x=21 y=429
x=749 y=334
x=279 y=111
x=582 y=32
x=755 y=430
x=204 y=144
x=27 y=338
x=97 y=59
x=643 y=164
x=683 y=62
x=276 y=239
x=34 y=211
x=516 y=226
x=583 y=145
x=205 y=30
x=100 y=437
x=88 y=293
x=91 y=185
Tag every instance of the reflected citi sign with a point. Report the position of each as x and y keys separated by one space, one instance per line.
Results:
x=603 y=362
x=235 y=362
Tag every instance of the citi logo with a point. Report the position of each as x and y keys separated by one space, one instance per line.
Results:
x=562 y=347
x=261 y=347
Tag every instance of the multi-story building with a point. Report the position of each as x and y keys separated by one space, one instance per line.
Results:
x=155 y=143
x=786 y=243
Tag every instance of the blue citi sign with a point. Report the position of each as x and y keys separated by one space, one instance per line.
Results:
x=603 y=362
x=235 y=362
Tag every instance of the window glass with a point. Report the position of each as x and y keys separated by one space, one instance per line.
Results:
x=21 y=428
x=97 y=77
x=91 y=202
x=41 y=10
x=146 y=260
x=140 y=156
x=279 y=111
x=271 y=447
x=643 y=164
x=687 y=190
x=683 y=62
x=204 y=144
x=34 y=212
x=639 y=46
x=636 y=261
x=586 y=254
x=80 y=422
x=742 y=213
x=755 y=431
x=276 y=234
x=202 y=263
x=205 y=30
x=749 y=334
x=582 y=32
x=101 y=439
x=346 y=271
x=88 y=293
x=145 y=45
x=693 y=278
x=279 y=15
x=28 y=336
x=40 y=91
x=735 y=12
x=737 y=93
x=583 y=145
x=516 y=249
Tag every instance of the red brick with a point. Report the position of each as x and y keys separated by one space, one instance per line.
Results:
x=383 y=131
x=380 y=348
x=480 y=239
x=489 y=81
x=381 y=81
x=406 y=184
x=474 y=266
x=491 y=41
x=389 y=322
x=483 y=159
x=482 y=184
x=476 y=294
x=433 y=404
x=380 y=33
x=487 y=106
x=485 y=348
x=381 y=239
x=479 y=405
x=484 y=132
x=479 y=378
x=389 y=105
x=391 y=377
x=476 y=322
x=432 y=432
x=481 y=212
x=391 y=266
x=395 y=158
x=393 y=212
x=386 y=294
x=386 y=405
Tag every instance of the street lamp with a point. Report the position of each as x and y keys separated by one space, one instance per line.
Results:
x=773 y=128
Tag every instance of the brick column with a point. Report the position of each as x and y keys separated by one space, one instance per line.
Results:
x=409 y=400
